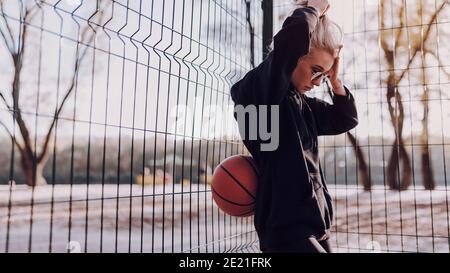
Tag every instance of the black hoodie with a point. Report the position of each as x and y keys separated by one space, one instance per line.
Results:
x=292 y=201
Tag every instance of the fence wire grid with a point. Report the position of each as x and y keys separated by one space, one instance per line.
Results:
x=114 y=114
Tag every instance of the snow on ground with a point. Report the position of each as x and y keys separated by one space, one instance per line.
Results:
x=176 y=218
x=415 y=220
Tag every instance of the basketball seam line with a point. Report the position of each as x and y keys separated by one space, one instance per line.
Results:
x=245 y=213
x=237 y=181
x=231 y=202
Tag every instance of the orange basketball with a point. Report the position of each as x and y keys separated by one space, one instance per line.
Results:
x=233 y=185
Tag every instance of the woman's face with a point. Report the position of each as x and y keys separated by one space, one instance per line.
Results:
x=318 y=60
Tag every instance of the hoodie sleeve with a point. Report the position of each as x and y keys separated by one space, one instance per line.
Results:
x=268 y=83
x=336 y=118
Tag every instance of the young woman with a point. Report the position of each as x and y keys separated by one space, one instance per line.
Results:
x=293 y=207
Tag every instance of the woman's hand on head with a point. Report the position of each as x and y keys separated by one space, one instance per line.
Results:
x=333 y=75
x=321 y=6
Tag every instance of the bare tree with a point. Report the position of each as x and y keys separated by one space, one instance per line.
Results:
x=34 y=157
x=425 y=48
x=418 y=44
x=399 y=155
x=363 y=168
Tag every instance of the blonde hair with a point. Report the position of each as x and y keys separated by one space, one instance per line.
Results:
x=327 y=34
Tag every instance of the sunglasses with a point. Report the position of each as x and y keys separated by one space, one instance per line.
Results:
x=322 y=75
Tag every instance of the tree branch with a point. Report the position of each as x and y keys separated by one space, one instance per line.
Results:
x=5 y=102
x=8 y=28
x=418 y=44
x=402 y=24
x=388 y=53
x=17 y=58
x=11 y=110
x=10 y=48
x=12 y=136
x=440 y=64
x=72 y=83
x=27 y=18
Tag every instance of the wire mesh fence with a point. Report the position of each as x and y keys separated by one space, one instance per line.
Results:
x=120 y=110
x=389 y=176
x=92 y=99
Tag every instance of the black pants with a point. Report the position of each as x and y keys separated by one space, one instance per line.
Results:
x=309 y=245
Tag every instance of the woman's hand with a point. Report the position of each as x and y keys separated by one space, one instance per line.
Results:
x=333 y=75
x=322 y=6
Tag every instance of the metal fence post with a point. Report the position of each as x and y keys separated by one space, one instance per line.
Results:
x=267 y=7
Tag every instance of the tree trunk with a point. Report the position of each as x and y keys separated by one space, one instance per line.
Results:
x=427 y=171
x=399 y=159
x=392 y=169
x=33 y=170
x=407 y=168
x=362 y=165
